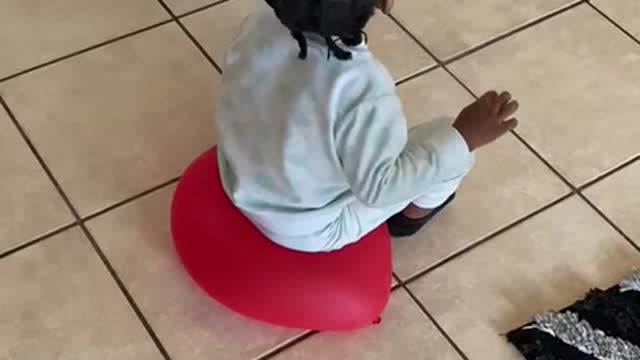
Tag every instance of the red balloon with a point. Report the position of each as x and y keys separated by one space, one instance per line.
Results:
x=240 y=268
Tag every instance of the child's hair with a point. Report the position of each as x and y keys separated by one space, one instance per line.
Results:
x=344 y=19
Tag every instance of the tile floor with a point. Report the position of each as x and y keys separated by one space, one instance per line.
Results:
x=105 y=102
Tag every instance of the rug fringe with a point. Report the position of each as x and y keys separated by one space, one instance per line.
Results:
x=631 y=282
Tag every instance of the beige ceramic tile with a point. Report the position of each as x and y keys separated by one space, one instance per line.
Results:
x=61 y=303
x=116 y=121
x=217 y=27
x=624 y=12
x=182 y=6
x=507 y=183
x=618 y=197
x=31 y=205
x=395 y=49
x=546 y=263
x=449 y=27
x=577 y=80
x=37 y=31
x=405 y=333
x=137 y=240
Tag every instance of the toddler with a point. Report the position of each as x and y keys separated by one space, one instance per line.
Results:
x=313 y=142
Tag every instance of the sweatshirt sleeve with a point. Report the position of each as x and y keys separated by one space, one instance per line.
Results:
x=384 y=164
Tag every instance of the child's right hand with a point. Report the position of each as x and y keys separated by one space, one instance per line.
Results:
x=487 y=119
x=385 y=5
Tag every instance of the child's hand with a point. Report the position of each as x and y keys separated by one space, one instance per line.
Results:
x=385 y=5
x=487 y=119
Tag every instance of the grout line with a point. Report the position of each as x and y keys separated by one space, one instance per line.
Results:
x=38 y=239
x=202 y=8
x=485 y=239
x=549 y=166
x=558 y=174
x=609 y=221
x=473 y=94
x=433 y=320
x=417 y=74
x=190 y=36
x=401 y=283
x=398 y=280
x=574 y=189
x=430 y=53
x=287 y=345
x=415 y=39
x=608 y=173
x=544 y=161
x=39 y=158
x=125 y=292
x=130 y=199
x=82 y=51
x=607 y=17
x=512 y=32
x=127 y=35
x=476 y=48
x=85 y=230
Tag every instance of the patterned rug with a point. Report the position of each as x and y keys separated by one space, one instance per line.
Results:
x=603 y=326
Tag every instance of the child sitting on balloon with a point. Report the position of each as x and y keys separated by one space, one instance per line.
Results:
x=313 y=142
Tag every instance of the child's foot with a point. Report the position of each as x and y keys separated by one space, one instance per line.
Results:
x=414 y=212
x=409 y=221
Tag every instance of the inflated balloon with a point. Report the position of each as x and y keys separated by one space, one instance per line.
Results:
x=240 y=268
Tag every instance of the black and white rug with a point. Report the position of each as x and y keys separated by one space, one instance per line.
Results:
x=603 y=326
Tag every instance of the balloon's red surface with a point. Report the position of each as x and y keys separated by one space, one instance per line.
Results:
x=240 y=268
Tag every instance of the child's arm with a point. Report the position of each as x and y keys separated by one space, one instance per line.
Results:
x=383 y=166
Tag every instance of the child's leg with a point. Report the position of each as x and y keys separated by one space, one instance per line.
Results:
x=425 y=205
x=411 y=219
x=355 y=221
x=438 y=194
x=358 y=219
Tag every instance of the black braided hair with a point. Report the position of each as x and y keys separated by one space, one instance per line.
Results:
x=338 y=52
x=302 y=43
x=331 y=19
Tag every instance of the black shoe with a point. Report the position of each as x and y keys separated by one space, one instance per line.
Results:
x=401 y=226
